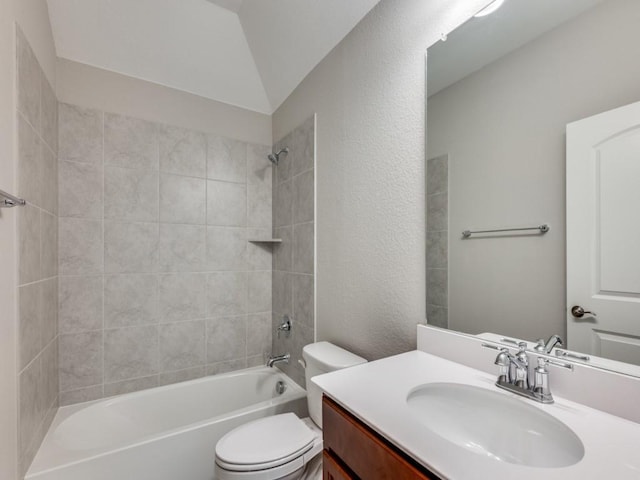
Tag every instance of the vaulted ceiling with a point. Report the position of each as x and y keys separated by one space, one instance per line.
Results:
x=248 y=53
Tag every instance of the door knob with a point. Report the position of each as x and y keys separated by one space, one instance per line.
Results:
x=579 y=312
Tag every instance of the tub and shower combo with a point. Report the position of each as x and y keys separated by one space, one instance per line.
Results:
x=165 y=433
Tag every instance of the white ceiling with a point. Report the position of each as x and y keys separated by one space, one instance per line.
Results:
x=249 y=53
x=233 y=5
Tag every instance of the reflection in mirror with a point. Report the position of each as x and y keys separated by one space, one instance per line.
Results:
x=501 y=91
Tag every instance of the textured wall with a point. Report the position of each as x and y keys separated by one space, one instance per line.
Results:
x=369 y=95
x=293 y=259
x=37 y=125
x=158 y=281
x=507 y=165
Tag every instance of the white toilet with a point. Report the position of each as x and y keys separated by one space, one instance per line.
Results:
x=281 y=446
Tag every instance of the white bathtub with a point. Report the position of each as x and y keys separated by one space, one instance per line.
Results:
x=165 y=433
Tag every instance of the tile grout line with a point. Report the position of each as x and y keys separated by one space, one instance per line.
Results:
x=157 y=129
x=103 y=367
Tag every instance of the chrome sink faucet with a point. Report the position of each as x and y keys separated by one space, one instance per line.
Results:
x=516 y=377
x=546 y=347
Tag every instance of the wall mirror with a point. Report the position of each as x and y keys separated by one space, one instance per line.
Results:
x=502 y=90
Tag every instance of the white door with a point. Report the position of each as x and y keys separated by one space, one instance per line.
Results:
x=603 y=234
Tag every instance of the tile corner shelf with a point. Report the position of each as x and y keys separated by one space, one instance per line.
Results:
x=265 y=240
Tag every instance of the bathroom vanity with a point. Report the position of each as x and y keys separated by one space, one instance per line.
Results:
x=354 y=450
x=420 y=416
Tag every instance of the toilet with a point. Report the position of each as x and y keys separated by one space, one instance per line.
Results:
x=280 y=447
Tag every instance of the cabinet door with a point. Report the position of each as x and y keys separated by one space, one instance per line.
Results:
x=332 y=470
x=364 y=452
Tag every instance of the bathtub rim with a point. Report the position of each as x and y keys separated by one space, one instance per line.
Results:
x=293 y=393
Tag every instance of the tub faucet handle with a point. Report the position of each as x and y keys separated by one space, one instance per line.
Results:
x=285 y=326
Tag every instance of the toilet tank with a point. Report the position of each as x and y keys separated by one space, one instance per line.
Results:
x=324 y=357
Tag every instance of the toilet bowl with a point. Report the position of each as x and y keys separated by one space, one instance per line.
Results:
x=283 y=446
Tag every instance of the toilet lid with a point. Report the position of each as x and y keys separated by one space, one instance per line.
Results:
x=264 y=443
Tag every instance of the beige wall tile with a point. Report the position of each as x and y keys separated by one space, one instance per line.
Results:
x=182 y=297
x=49 y=130
x=80 y=304
x=303 y=245
x=303 y=197
x=226 y=204
x=182 y=248
x=183 y=199
x=130 y=352
x=80 y=360
x=130 y=142
x=183 y=152
x=30 y=164
x=49 y=245
x=49 y=310
x=226 y=294
x=130 y=300
x=182 y=345
x=226 y=339
x=80 y=136
x=80 y=190
x=226 y=159
x=80 y=250
x=259 y=292
x=130 y=247
x=226 y=248
x=29 y=323
x=130 y=195
x=29 y=236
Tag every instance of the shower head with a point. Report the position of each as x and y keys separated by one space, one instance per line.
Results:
x=275 y=157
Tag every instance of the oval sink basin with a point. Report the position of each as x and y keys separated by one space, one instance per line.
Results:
x=495 y=425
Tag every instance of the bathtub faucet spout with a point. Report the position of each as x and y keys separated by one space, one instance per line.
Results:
x=278 y=359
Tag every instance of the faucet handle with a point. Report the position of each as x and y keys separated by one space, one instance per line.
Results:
x=504 y=363
x=555 y=363
x=540 y=345
x=285 y=326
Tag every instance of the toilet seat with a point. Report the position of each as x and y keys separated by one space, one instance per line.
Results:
x=277 y=443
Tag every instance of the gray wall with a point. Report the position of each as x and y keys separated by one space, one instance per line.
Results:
x=294 y=258
x=158 y=280
x=507 y=165
x=92 y=87
x=37 y=127
x=369 y=95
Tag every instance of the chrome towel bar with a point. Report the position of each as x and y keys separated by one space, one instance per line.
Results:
x=7 y=200
x=544 y=228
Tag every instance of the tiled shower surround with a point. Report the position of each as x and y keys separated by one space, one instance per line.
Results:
x=158 y=282
x=293 y=259
x=438 y=241
x=37 y=120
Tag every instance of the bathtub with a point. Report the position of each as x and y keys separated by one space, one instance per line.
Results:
x=165 y=433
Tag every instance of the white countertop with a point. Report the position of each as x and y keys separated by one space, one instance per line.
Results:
x=376 y=393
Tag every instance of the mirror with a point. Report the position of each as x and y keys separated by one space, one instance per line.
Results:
x=501 y=91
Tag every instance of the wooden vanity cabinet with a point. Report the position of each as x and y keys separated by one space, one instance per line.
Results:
x=354 y=451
